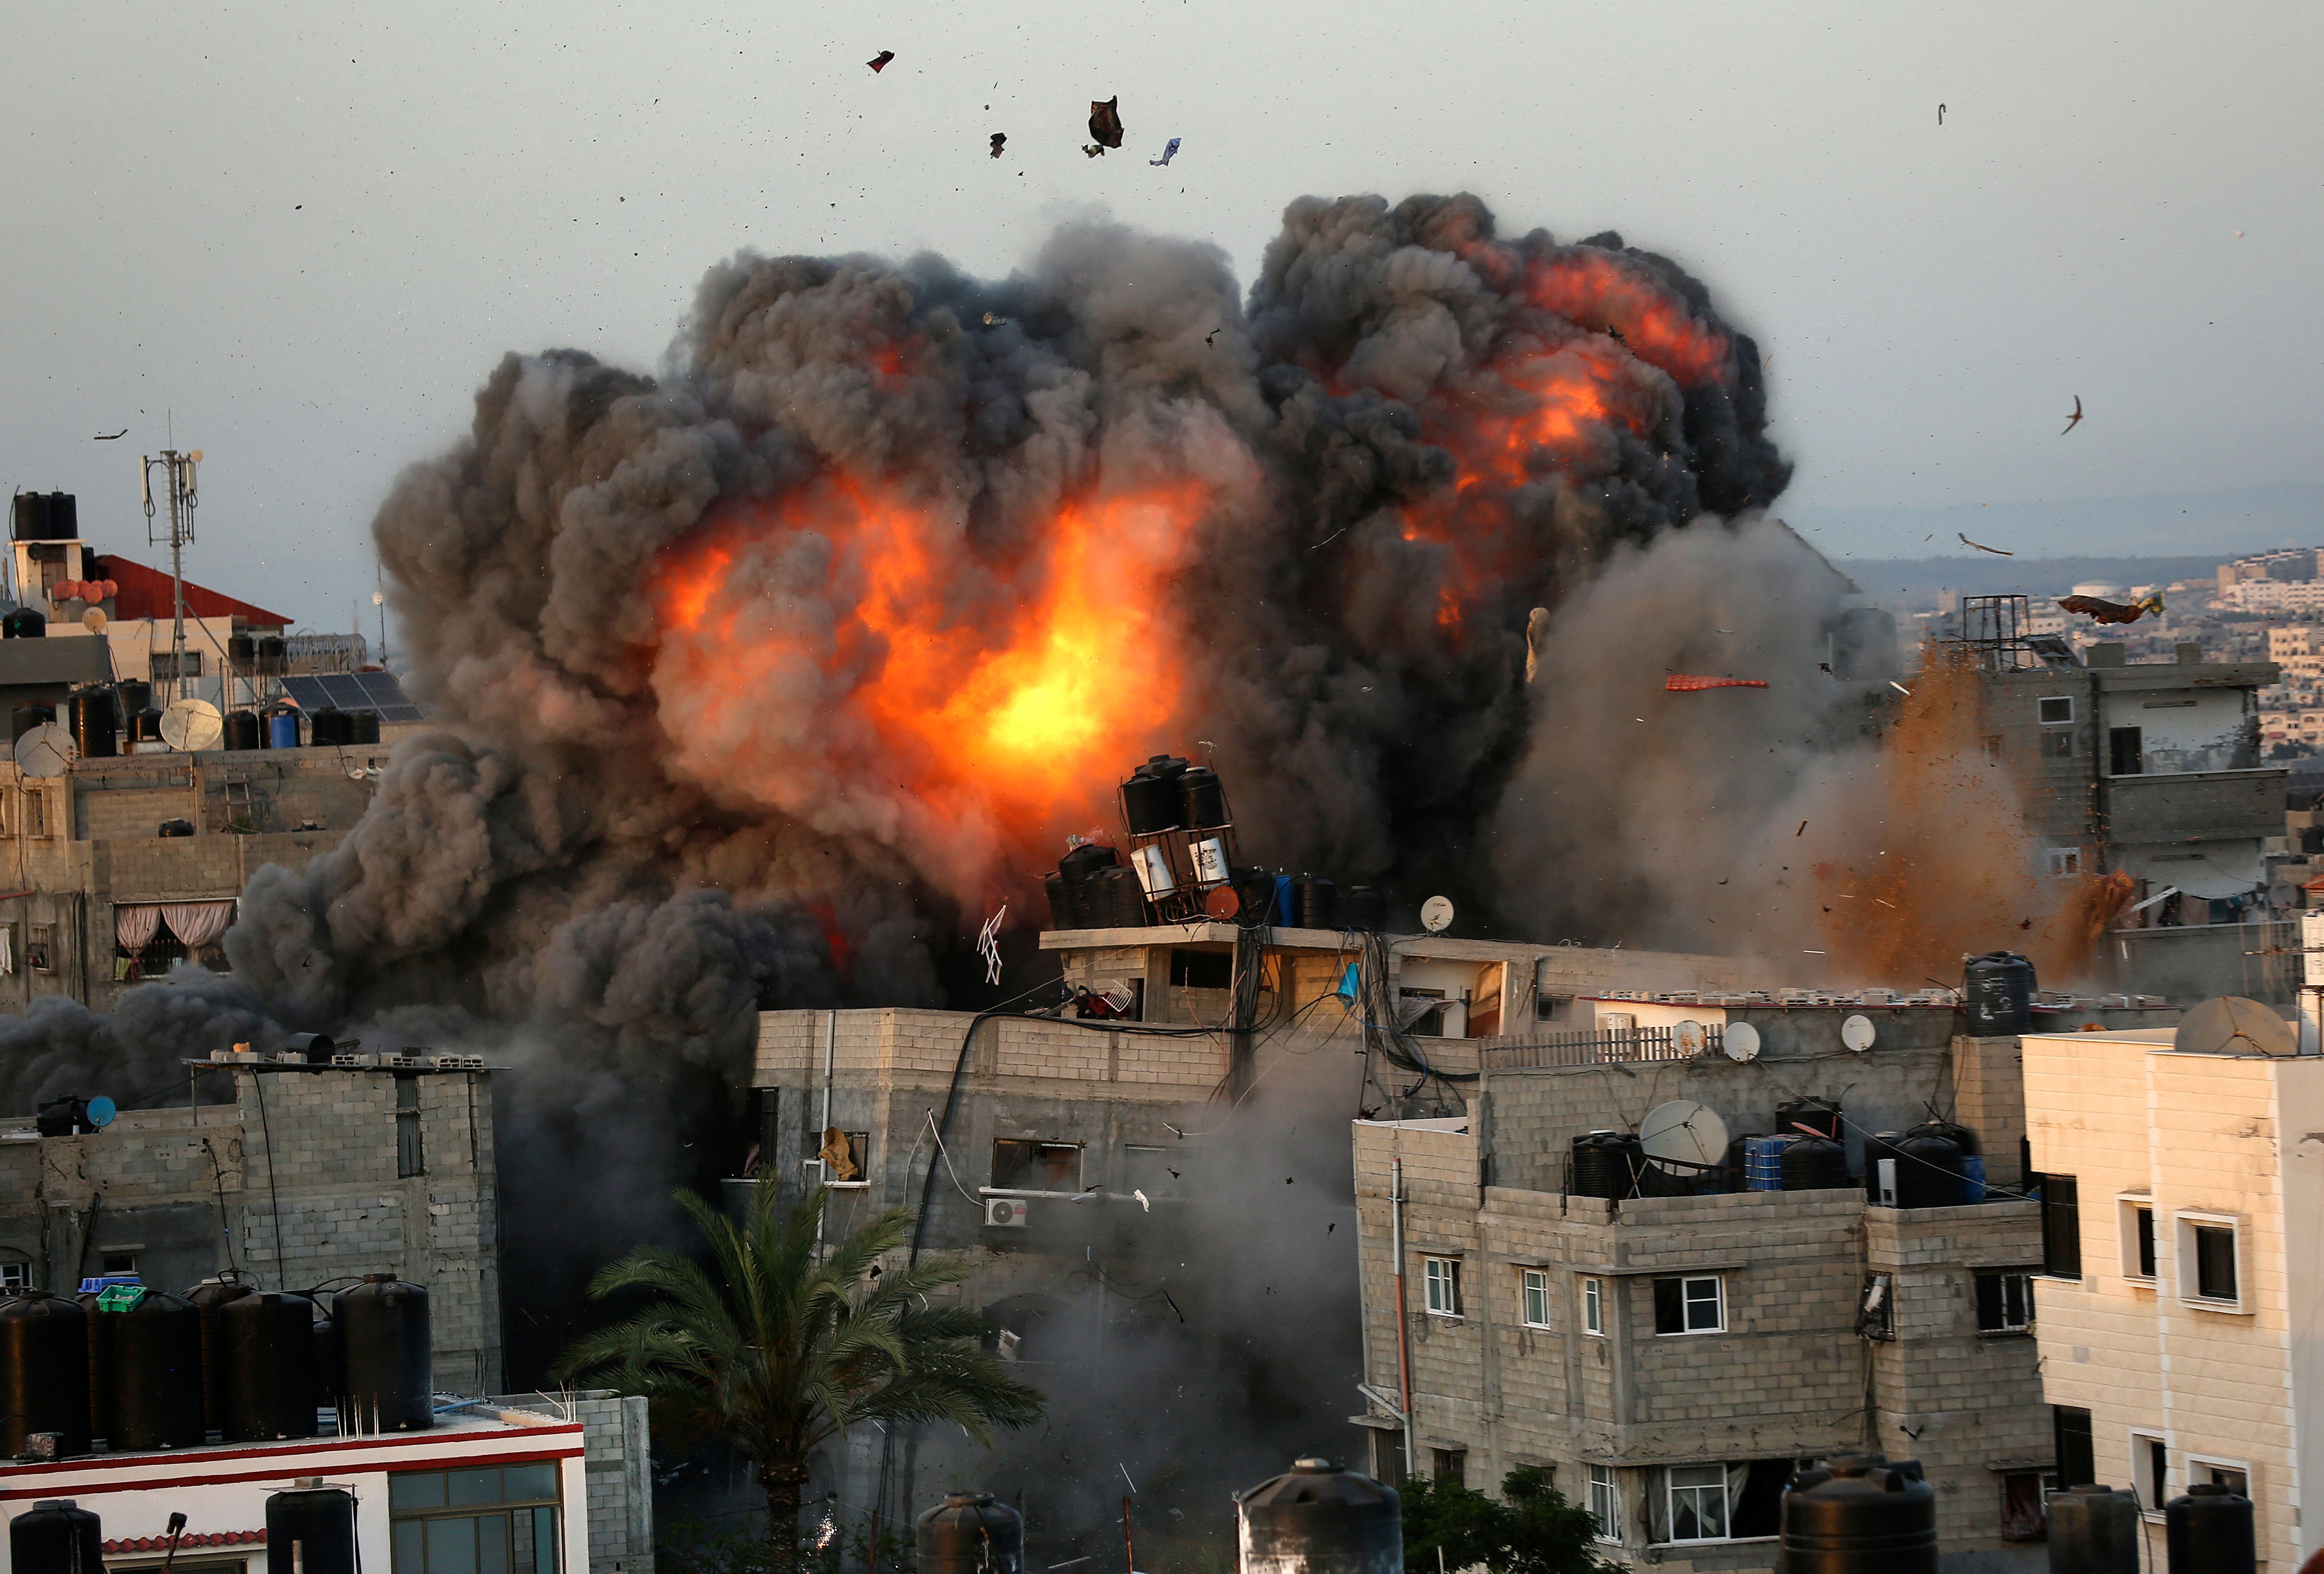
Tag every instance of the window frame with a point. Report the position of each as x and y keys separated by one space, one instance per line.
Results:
x=2006 y=1280
x=2058 y=1241
x=1431 y=1279
x=501 y=1506
x=2208 y=1464
x=2152 y=1489
x=1033 y=1163
x=411 y=1129
x=1687 y=1303
x=2139 y=1260
x=2072 y=1421
x=1533 y=1292
x=1671 y=1490
x=2187 y=1243
x=1606 y=1480
x=1594 y=1306
x=2041 y=710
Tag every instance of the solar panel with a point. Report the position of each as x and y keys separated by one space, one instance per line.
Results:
x=346 y=690
x=387 y=696
x=354 y=691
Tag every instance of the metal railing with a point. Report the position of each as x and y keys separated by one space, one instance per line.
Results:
x=1589 y=1049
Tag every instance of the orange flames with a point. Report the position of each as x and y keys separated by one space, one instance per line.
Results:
x=848 y=656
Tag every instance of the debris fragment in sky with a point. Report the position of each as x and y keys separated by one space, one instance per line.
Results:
x=1685 y=683
x=1000 y=140
x=1168 y=153
x=1981 y=546
x=1105 y=123
x=2101 y=610
x=1142 y=1203
x=880 y=60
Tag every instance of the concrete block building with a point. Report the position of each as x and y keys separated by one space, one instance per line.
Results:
x=307 y=1176
x=2180 y=1270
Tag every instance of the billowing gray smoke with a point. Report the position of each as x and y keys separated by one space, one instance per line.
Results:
x=626 y=836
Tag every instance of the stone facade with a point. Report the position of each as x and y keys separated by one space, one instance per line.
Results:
x=296 y=1183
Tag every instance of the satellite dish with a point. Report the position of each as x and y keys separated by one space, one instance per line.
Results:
x=1686 y=1134
x=1437 y=914
x=101 y=1111
x=1689 y=1038
x=1857 y=1033
x=2229 y=1025
x=46 y=749
x=93 y=619
x=190 y=726
x=1221 y=902
x=1740 y=1040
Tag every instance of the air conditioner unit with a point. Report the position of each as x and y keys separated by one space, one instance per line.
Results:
x=1007 y=1212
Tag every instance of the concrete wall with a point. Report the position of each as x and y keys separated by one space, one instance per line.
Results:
x=192 y=1193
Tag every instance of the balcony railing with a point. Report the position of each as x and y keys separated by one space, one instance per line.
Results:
x=1591 y=1049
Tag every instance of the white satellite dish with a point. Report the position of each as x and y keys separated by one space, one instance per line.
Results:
x=190 y=726
x=1688 y=1037
x=46 y=749
x=1687 y=1134
x=1437 y=914
x=1857 y=1033
x=1740 y=1040
x=2229 y=1025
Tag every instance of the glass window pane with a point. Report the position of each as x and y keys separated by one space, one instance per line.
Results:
x=451 y=1546
x=416 y=1489
x=475 y=1486
x=493 y=1543
x=529 y=1483
x=544 y=1542
x=409 y=1558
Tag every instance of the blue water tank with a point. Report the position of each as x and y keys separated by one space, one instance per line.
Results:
x=1763 y=1162
x=1285 y=909
x=283 y=730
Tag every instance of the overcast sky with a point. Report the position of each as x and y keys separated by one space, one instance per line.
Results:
x=309 y=230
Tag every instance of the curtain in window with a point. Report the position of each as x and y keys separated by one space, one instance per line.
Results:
x=197 y=923
x=133 y=924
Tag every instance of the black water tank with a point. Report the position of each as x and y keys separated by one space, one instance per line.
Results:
x=267 y=1375
x=1150 y=798
x=1314 y=903
x=43 y=1371
x=1061 y=913
x=155 y=1350
x=1318 y=1518
x=1363 y=907
x=208 y=1299
x=1077 y=869
x=95 y=725
x=1202 y=800
x=242 y=730
x=56 y=1537
x=26 y=717
x=25 y=623
x=969 y=1533
x=273 y=655
x=326 y=725
x=1116 y=901
x=135 y=694
x=100 y=1370
x=47 y=516
x=2000 y=994
x=146 y=726
x=2209 y=1531
x=1928 y=1171
x=1960 y=1137
x=1859 y=1515
x=328 y=1359
x=2093 y=1530
x=1606 y=1163
x=1814 y=1164
x=241 y=655
x=363 y=727
x=1254 y=890
x=310 y=1531
x=387 y=1384
x=1821 y=1116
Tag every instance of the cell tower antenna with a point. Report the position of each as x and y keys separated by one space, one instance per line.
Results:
x=181 y=477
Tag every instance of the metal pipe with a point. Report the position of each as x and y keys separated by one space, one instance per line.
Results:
x=1403 y=1319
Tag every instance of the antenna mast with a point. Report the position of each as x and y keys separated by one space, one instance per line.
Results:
x=179 y=481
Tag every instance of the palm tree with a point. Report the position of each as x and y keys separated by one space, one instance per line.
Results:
x=780 y=1345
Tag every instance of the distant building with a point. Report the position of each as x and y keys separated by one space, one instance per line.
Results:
x=2180 y=1271
x=2288 y=564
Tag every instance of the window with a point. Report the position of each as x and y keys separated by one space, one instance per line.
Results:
x=2005 y=1301
x=2023 y=1515
x=2070 y=1428
x=2233 y=1477
x=1449 y=1465
x=36 y=812
x=2061 y=1228
x=1387 y=1456
x=1698 y=1503
x=2150 y=1471
x=1593 y=1308
x=2057 y=711
x=2065 y=861
x=1202 y=969
x=2126 y=751
x=1605 y=1500
x=1443 y=1279
x=116 y=1262
x=1877 y=1313
x=2206 y=1262
x=494 y=1520
x=2138 y=1215
x=1027 y=1164
x=164 y=666
x=2057 y=745
x=1690 y=1306
x=40 y=948
x=845 y=1157
x=409 y=1158
x=15 y=1276
x=1533 y=1289
x=1158 y=1172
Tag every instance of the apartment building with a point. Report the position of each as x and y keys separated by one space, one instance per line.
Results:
x=2180 y=1270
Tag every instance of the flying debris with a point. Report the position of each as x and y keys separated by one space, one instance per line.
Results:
x=1208 y=337
x=1168 y=153
x=1105 y=123
x=2076 y=418
x=1981 y=546
x=110 y=436
x=878 y=61
x=1142 y=1202
x=1000 y=140
x=992 y=320
x=1684 y=683
x=2110 y=612
x=1940 y=115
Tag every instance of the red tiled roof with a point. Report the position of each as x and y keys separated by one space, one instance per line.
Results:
x=213 y=1539
x=145 y=592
